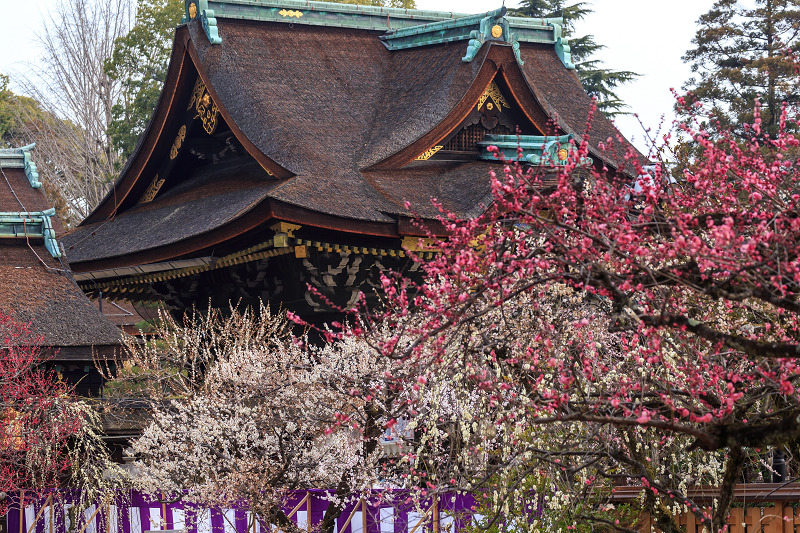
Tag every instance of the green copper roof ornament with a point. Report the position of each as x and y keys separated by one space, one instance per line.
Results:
x=31 y=224
x=562 y=44
x=21 y=158
x=30 y=166
x=199 y=8
x=537 y=150
x=493 y=27
x=405 y=28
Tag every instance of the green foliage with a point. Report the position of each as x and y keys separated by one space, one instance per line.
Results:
x=14 y=111
x=742 y=54
x=132 y=382
x=503 y=514
x=140 y=62
x=23 y=120
x=598 y=82
x=144 y=326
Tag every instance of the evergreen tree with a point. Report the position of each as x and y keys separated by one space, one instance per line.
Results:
x=15 y=110
x=597 y=81
x=140 y=62
x=741 y=54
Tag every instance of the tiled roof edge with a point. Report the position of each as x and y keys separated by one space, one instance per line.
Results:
x=21 y=158
x=31 y=224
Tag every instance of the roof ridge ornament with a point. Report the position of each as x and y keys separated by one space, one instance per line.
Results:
x=21 y=158
x=26 y=224
x=199 y=8
x=493 y=27
x=562 y=43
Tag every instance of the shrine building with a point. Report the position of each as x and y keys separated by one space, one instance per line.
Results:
x=300 y=143
x=36 y=286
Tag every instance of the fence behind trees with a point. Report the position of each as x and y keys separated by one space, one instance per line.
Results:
x=132 y=512
x=759 y=508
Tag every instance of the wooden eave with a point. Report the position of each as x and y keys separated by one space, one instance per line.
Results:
x=184 y=63
x=498 y=61
x=260 y=216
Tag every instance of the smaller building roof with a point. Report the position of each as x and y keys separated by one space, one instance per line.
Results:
x=36 y=285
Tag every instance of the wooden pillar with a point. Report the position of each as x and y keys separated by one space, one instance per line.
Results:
x=364 y=515
x=21 y=512
x=436 y=514
x=308 y=511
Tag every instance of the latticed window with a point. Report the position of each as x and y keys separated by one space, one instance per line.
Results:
x=467 y=139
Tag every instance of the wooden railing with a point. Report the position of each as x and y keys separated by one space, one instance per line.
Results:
x=778 y=519
x=758 y=508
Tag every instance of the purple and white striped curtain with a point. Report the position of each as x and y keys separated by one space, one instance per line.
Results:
x=136 y=513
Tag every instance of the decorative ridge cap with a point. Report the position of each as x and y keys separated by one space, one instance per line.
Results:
x=239 y=7
x=29 y=214
x=9 y=221
x=443 y=24
x=534 y=22
x=394 y=20
x=21 y=158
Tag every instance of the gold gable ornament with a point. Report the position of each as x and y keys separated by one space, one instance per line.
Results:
x=152 y=190
x=207 y=110
x=290 y=13
x=427 y=154
x=192 y=11
x=493 y=93
x=176 y=145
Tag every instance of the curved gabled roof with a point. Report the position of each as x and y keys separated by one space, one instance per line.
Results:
x=423 y=86
x=334 y=117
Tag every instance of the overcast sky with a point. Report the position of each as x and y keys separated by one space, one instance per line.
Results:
x=645 y=36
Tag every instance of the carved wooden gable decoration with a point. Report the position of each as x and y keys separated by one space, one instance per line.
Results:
x=494 y=114
x=201 y=139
